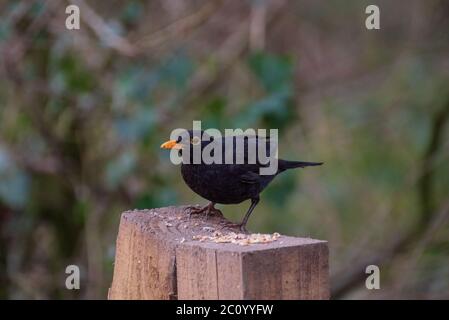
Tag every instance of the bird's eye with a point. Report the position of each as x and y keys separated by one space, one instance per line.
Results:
x=195 y=140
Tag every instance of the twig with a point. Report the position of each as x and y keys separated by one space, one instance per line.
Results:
x=103 y=31
x=257 y=26
x=233 y=48
x=180 y=27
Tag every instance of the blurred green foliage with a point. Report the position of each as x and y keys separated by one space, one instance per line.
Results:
x=82 y=121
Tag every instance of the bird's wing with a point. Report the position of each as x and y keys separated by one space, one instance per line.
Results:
x=250 y=177
x=251 y=145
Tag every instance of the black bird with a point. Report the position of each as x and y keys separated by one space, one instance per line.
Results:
x=228 y=183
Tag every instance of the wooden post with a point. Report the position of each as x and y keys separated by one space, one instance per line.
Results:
x=162 y=254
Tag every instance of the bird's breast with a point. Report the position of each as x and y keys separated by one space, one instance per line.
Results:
x=219 y=183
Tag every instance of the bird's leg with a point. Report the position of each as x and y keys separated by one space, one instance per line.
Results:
x=242 y=225
x=254 y=202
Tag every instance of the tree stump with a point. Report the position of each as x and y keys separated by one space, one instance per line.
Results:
x=163 y=254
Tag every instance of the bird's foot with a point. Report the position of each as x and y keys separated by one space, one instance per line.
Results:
x=214 y=211
x=206 y=210
x=240 y=226
x=191 y=210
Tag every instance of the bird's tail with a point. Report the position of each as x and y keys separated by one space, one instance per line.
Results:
x=286 y=164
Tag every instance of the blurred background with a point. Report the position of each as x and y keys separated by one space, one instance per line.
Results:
x=83 y=113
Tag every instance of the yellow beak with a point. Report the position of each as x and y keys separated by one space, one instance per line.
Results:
x=171 y=144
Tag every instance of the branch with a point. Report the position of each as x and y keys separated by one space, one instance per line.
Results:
x=229 y=52
x=180 y=27
x=103 y=31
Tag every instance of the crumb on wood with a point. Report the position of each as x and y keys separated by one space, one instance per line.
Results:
x=238 y=238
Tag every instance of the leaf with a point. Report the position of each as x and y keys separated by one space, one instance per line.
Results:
x=280 y=189
x=120 y=168
x=14 y=183
x=133 y=12
x=212 y=113
x=69 y=74
x=275 y=111
x=177 y=70
x=273 y=71
x=157 y=198
x=137 y=126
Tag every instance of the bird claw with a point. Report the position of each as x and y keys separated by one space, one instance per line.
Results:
x=239 y=226
x=191 y=210
x=214 y=211
x=243 y=229
x=207 y=210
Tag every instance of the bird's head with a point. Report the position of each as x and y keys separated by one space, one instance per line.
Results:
x=187 y=139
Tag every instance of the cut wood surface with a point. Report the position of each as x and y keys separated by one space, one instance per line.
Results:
x=163 y=254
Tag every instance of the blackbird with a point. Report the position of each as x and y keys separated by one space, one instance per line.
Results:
x=228 y=183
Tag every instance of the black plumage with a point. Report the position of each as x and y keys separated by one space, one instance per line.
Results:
x=228 y=183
